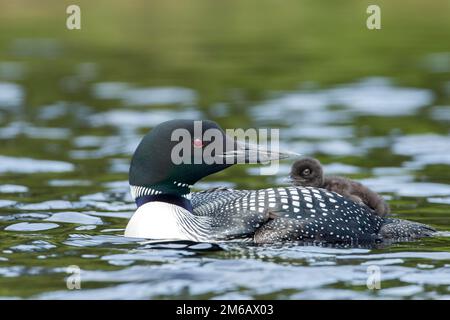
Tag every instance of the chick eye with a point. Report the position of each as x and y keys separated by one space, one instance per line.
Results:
x=197 y=143
x=306 y=172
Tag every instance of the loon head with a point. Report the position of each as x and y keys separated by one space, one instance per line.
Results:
x=178 y=153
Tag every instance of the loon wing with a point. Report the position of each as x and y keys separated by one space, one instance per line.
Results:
x=283 y=229
x=286 y=229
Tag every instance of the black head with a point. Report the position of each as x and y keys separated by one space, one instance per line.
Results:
x=307 y=172
x=178 y=153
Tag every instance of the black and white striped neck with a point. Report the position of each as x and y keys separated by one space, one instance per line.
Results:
x=176 y=193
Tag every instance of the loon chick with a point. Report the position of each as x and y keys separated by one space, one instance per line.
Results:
x=309 y=172
x=160 y=185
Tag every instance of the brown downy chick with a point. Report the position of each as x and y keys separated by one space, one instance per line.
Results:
x=308 y=172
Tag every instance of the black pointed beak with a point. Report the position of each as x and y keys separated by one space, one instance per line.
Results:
x=245 y=152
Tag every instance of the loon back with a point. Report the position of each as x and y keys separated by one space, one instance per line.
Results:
x=299 y=213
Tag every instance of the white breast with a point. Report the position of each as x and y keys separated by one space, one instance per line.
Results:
x=158 y=220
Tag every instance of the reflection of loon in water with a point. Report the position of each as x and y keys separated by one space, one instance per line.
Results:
x=167 y=209
x=308 y=172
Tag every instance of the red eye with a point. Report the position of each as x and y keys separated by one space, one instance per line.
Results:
x=197 y=143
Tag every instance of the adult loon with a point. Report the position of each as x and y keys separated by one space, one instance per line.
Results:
x=168 y=210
